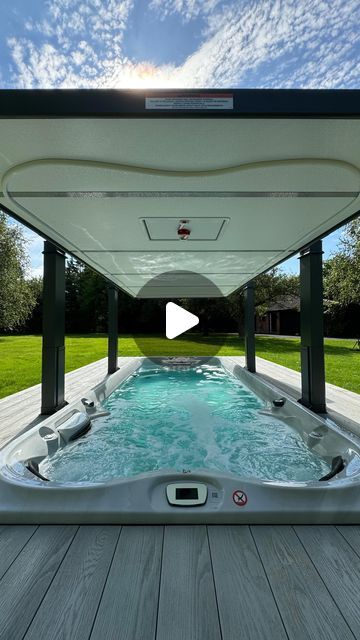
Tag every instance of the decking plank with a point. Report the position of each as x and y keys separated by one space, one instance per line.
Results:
x=58 y=578
x=351 y=533
x=247 y=607
x=75 y=593
x=339 y=567
x=306 y=607
x=12 y=540
x=187 y=604
x=21 y=409
x=24 y=585
x=128 y=606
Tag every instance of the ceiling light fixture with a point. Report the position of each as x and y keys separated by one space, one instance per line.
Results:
x=183 y=230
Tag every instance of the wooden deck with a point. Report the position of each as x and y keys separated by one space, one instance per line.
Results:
x=179 y=582
x=343 y=406
x=20 y=411
x=175 y=582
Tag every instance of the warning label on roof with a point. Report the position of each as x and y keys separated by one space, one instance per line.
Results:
x=200 y=102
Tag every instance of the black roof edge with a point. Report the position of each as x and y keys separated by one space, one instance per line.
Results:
x=130 y=103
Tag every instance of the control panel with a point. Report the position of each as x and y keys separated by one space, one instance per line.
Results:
x=186 y=494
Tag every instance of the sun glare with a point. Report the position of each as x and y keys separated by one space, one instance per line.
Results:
x=146 y=76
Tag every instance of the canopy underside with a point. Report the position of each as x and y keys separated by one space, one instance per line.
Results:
x=113 y=192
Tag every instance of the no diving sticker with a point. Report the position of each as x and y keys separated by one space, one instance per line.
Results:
x=201 y=102
x=240 y=498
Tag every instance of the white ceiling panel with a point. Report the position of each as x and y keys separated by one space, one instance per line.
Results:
x=263 y=223
x=50 y=175
x=205 y=262
x=219 y=279
x=181 y=292
x=254 y=191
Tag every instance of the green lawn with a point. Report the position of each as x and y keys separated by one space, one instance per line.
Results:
x=20 y=356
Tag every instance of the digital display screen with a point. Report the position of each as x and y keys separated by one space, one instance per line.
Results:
x=187 y=493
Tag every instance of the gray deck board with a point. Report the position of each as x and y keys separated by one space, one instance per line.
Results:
x=306 y=606
x=351 y=533
x=179 y=582
x=343 y=406
x=187 y=603
x=24 y=585
x=21 y=410
x=339 y=567
x=247 y=607
x=78 y=586
x=129 y=603
x=12 y=541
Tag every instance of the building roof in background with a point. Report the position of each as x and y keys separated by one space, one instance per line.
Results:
x=285 y=303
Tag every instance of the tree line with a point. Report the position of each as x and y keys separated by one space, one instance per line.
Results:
x=86 y=294
x=86 y=304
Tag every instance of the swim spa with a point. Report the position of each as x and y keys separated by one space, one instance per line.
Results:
x=179 y=441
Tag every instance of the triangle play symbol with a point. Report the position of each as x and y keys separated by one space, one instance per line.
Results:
x=178 y=320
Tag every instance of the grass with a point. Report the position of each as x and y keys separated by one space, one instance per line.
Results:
x=342 y=362
x=20 y=356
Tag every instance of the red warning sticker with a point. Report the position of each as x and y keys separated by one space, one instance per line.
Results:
x=240 y=498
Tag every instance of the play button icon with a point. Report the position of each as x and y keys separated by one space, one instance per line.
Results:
x=178 y=320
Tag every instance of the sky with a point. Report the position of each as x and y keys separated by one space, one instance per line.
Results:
x=179 y=43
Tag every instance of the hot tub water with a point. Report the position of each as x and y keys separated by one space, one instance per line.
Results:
x=185 y=420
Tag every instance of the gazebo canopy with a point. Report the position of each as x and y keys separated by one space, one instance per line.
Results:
x=110 y=175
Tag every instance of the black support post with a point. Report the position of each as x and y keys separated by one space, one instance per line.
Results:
x=112 y=329
x=312 y=329
x=53 y=347
x=250 y=327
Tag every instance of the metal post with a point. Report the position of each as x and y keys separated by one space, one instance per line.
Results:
x=250 y=327
x=112 y=329
x=312 y=329
x=53 y=345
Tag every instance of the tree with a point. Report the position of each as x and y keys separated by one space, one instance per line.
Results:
x=342 y=271
x=73 y=320
x=342 y=285
x=214 y=313
x=17 y=298
x=33 y=324
x=269 y=287
x=93 y=300
x=86 y=304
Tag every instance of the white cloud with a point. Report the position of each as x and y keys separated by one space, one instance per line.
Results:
x=35 y=272
x=264 y=43
x=272 y=40
x=34 y=249
x=187 y=9
x=72 y=46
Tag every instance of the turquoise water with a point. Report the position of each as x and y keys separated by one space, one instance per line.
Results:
x=171 y=419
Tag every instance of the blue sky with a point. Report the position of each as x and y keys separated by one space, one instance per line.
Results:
x=179 y=43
